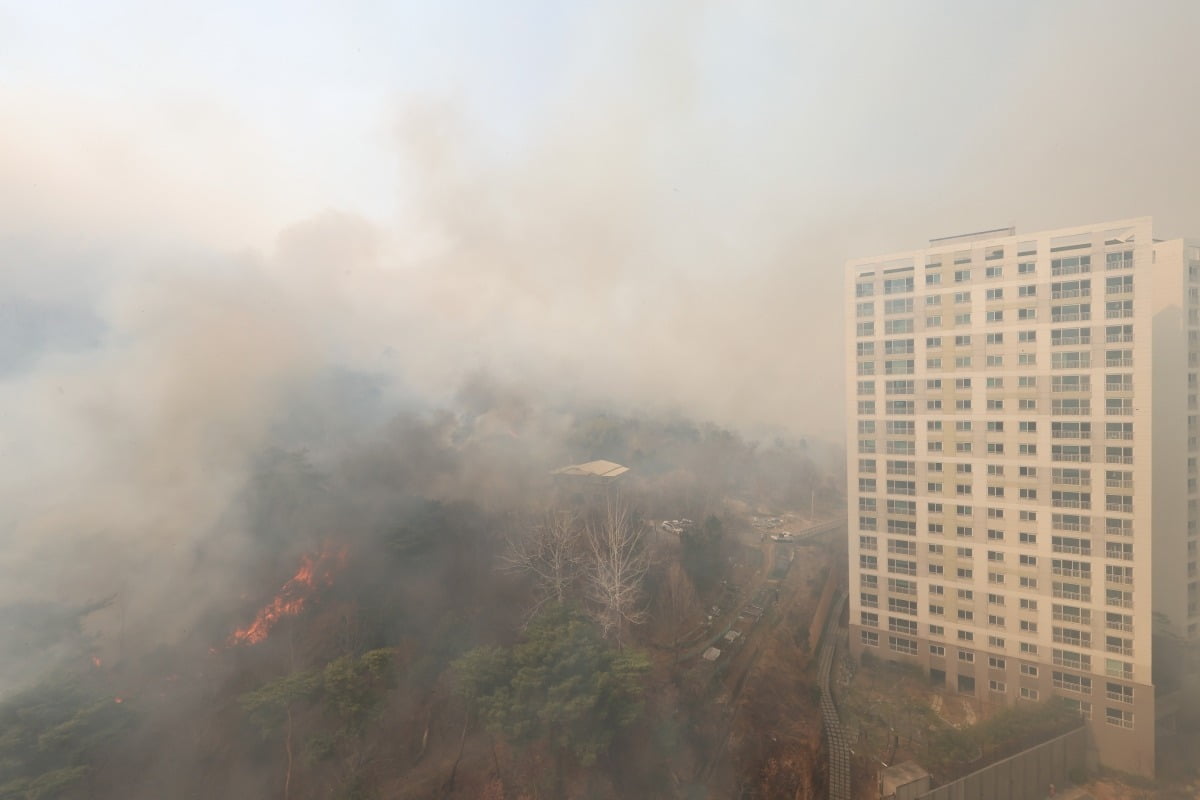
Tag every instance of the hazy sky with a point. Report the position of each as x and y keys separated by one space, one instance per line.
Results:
x=647 y=203
x=293 y=103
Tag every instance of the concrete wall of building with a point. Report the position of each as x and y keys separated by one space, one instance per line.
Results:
x=1170 y=435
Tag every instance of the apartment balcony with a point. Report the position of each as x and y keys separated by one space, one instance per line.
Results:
x=1069 y=481
x=1079 y=363
x=1083 y=664
x=1082 y=644
x=1081 y=504
x=1070 y=686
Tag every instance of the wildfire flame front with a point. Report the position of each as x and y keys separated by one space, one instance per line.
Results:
x=314 y=571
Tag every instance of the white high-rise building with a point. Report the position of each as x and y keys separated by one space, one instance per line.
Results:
x=1022 y=437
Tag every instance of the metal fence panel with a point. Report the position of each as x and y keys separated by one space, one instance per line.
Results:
x=1024 y=776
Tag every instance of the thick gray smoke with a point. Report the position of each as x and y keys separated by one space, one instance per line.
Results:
x=666 y=235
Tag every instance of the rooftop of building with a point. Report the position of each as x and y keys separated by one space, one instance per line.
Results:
x=593 y=469
x=993 y=233
x=957 y=243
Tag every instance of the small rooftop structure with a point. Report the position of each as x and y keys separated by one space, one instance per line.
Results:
x=907 y=780
x=975 y=236
x=711 y=654
x=593 y=469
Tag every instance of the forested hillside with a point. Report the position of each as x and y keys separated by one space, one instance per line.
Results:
x=428 y=613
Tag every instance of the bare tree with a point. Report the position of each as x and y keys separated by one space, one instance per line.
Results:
x=551 y=551
x=616 y=567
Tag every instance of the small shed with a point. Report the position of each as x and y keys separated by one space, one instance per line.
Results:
x=600 y=470
x=711 y=654
x=905 y=781
x=593 y=480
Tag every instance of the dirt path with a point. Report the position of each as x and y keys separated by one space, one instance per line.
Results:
x=792 y=599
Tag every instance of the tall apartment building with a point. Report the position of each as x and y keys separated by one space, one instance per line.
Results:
x=1022 y=459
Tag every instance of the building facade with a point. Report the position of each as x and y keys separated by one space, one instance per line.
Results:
x=1022 y=458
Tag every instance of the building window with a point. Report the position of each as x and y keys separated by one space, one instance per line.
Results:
x=1118 y=717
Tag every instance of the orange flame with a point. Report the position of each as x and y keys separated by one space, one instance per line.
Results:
x=314 y=571
x=96 y=661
